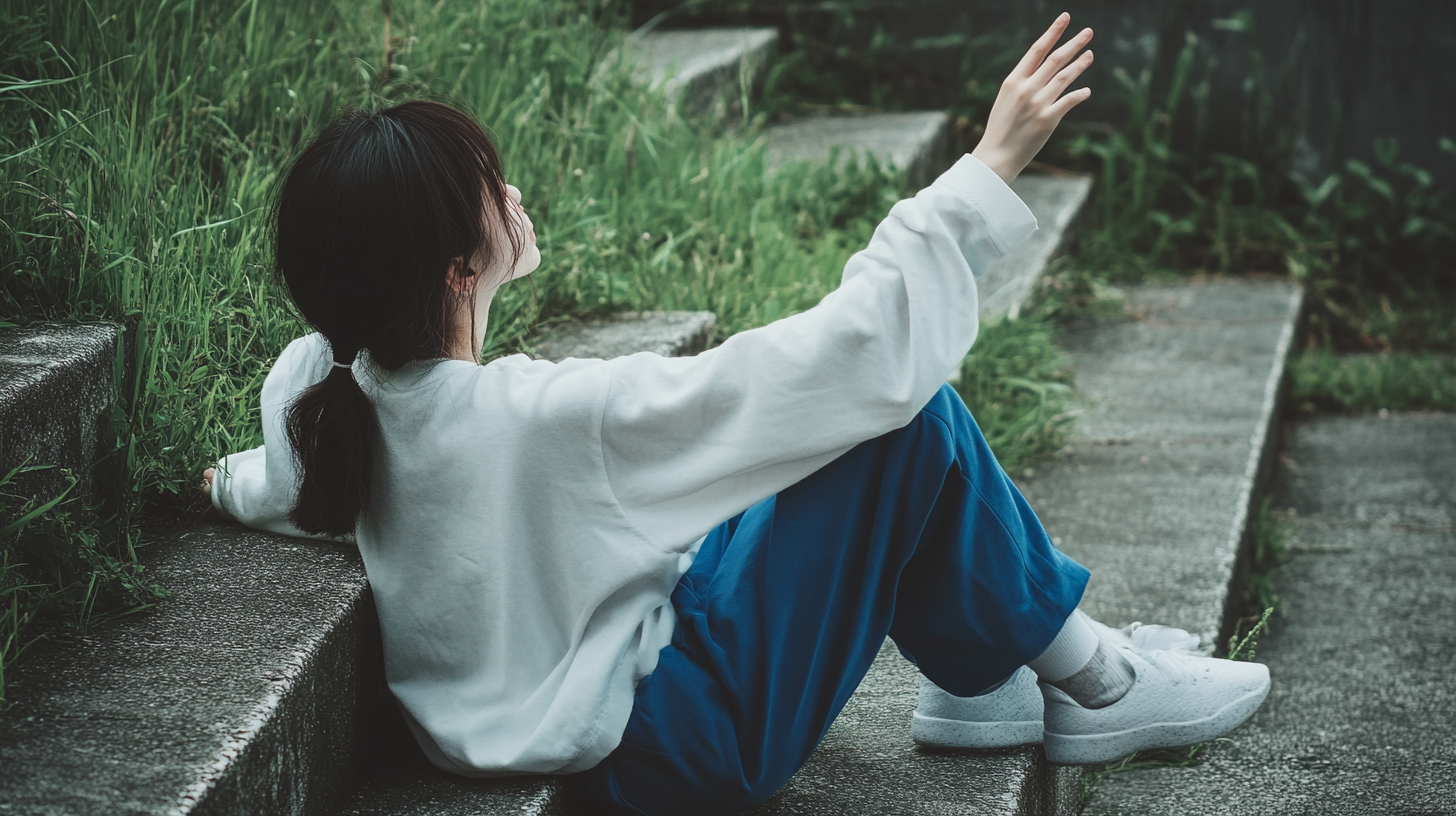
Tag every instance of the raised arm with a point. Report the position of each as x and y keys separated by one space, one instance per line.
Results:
x=689 y=442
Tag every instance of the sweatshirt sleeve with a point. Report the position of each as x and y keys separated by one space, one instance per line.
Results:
x=688 y=442
x=258 y=487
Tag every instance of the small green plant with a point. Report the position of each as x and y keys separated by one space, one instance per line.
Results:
x=1164 y=204
x=1269 y=533
x=1241 y=646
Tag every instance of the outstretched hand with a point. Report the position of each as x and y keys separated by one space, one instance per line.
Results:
x=1030 y=104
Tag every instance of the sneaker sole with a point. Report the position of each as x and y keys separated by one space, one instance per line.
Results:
x=935 y=732
x=1091 y=749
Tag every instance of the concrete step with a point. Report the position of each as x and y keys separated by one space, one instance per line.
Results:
x=1362 y=708
x=917 y=143
x=258 y=687
x=1154 y=498
x=1178 y=446
x=55 y=383
x=237 y=696
x=1179 y=440
x=670 y=334
x=705 y=69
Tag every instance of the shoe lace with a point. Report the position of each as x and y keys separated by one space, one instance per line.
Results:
x=1163 y=638
x=1169 y=650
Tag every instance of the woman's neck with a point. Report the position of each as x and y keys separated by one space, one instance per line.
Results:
x=462 y=345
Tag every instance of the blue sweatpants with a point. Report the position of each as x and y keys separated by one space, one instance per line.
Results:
x=917 y=534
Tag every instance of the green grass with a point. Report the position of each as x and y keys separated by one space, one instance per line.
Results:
x=1018 y=385
x=1326 y=382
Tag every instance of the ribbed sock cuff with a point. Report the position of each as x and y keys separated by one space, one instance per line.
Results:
x=1069 y=652
x=1105 y=679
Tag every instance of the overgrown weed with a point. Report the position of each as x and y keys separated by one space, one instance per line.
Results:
x=1018 y=385
x=1375 y=246
x=63 y=569
x=1269 y=538
x=1325 y=381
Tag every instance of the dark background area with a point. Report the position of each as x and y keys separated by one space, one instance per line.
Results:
x=1337 y=74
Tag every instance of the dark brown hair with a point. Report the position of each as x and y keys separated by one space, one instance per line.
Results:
x=367 y=222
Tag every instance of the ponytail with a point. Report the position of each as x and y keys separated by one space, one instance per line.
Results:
x=335 y=456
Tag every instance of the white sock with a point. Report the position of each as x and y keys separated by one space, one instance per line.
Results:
x=1069 y=652
x=1079 y=663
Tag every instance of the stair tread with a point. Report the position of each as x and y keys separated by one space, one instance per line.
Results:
x=915 y=142
x=1055 y=200
x=165 y=708
x=671 y=334
x=55 y=380
x=1155 y=494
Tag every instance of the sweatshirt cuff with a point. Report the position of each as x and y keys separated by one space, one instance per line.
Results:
x=1008 y=220
x=219 y=485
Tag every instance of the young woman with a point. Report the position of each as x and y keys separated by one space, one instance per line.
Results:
x=670 y=574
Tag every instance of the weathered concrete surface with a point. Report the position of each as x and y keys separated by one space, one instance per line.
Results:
x=237 y=696
x=917 y=142
x=399 y=781
x=1055 y=200
x=867 y=765
x=1155 y=494
x=704 y=68
x=671 y=334
x=431 y=792
x=1363 y=656
x=55 y=381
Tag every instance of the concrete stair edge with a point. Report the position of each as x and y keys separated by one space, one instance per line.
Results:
x=914 y=142
x=55 y=380
x=700 y=68
x=1260 y=469
x=211 y=703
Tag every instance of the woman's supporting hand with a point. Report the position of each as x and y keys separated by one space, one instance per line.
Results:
x=207 y=483
x=1030 y=104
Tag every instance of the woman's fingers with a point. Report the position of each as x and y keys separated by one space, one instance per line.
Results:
x=1037 y=54
x=1065 y=76
x=1060 y=57
x=1066 y=103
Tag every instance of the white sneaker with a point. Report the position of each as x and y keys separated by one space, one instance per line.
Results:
x=1178 y=698
x=1008 y=716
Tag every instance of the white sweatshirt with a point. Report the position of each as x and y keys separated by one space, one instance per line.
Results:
x=530 y=519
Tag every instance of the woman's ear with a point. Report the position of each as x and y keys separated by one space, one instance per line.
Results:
x=460 y=277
